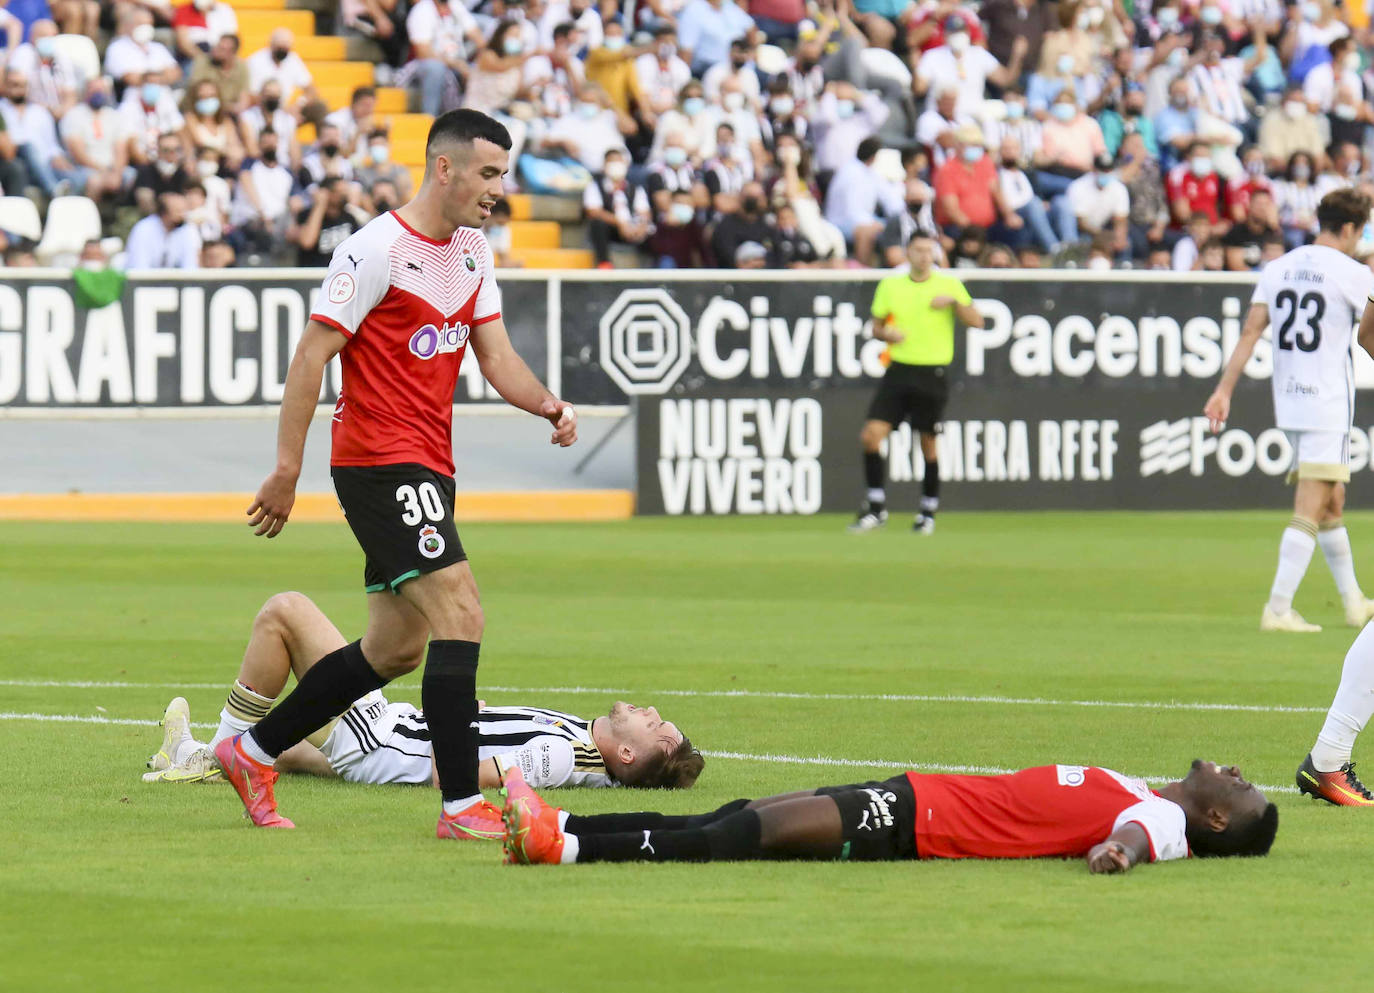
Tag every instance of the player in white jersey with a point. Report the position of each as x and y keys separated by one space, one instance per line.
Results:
x=380 y=741
x=1312 y=299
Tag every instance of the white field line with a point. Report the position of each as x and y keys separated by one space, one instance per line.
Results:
x=763 y=759
x=648 y=695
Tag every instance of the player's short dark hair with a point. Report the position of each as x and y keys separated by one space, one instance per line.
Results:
x=1253 y=837
x=463 y=127
x=1341 y=207
x=660 y=770
x=868 y=148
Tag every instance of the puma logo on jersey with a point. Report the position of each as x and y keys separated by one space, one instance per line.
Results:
x=430 y=341
x=355 y=262
x=415 y=266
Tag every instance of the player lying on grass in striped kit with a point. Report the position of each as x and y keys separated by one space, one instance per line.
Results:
x=1067 y=811
x=378 y=741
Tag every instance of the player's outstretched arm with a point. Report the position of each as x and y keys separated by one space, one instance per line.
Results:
x=507 y=372
x=1218 y=405
x=1127 y=845
x=272 y=505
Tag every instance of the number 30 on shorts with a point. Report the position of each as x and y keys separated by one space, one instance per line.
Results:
x=417 y=506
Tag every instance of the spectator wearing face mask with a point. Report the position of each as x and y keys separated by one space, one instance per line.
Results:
x=612 y=68
x=1020 y=199
x=661 y=71
x=919 y=217
x=375 y=165
x=792 y=249
x=553 y=77
x=208 y=124
x=278 y=63
x=385 y=196
x=690 y=121
x=726 y=172
x=735 y=111
x=1289 y=129
x=326 y=224
x=1129 y=118
x=670 y=174
x=740 y=71
x=968 y=67
x=677 y=241
x=441 y=32
x=1189 y=247
x=967 y=193
x=1177 y=125
x=1016 y=123
x=496 y=78
x=782 y=116
x=148 y=112
x=1148 y=222
x=1063 y=74
x=32 y=128
x=844 y=117
x=198 y=24
x=261 y=210
x=1193 y=187
x=1241 y=187
x=617 y=211
x=795 y=179
x=747 y=224
x=1307 y=42
x=1219 y=82
x=1102 y=206
x=1297 y=196
x=935 y=128
x=1071 y=140
x=226 y=70
x=1245 y=241
x=356 y=121
x=218 y=194
x=165 y=174
x=268 y=114
x=705 y=29
x=590 y=131
x=163 y=240
x=92 y=136
x=202 y=215
x=53 y=79
x=1343 y=70
x=134 y=57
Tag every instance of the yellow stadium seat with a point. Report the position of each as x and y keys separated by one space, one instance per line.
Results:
x=409 y=127
x=322 y=48
x=417 y=175
x=242 y=5
x=256 y=26
x=409 y=151
x=345 y=74
x=534 y=234
x=553 y=258
x=392 y=100
x=521 y=206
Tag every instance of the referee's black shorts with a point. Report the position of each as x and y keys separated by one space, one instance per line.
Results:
x=914 y=393
x=402 y=516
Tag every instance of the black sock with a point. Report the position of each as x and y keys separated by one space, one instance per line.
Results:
x=733 y=838
x=448 y=696
x=875 y=475
x=327 y=689
x=646 y=821
x=930 y=489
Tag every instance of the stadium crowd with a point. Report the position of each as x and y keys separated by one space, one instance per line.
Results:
x=1173 y=134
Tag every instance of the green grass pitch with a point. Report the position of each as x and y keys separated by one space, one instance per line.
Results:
x=110 y=884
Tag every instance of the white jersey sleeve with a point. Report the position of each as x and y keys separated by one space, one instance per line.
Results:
x=359 y=276
x=546 y=762
x=1164 y=824
x=488 y=294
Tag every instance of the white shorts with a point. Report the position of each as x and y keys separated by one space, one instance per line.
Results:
x=368 y=745
x=1320 y=455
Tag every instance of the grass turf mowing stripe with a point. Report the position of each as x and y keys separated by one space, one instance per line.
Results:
x=826 y=760
x=1252 y=708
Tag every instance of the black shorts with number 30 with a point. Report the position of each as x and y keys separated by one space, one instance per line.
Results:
x=402 y=516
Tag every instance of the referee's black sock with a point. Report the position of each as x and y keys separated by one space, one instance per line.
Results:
x=448 y=695
x=733 y=838
x=930 y=489
x=646 y=821
x=875 y=473
x=327 y=689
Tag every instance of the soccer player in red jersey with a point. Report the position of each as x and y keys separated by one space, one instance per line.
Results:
x=403 y=299
x=1068 y=811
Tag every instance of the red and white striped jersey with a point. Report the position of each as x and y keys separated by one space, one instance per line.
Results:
x=407 y=304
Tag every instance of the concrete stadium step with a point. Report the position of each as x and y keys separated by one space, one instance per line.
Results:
x=345 y=74
x=553 y=258
x=390 y=99
x=552 y=208
x=535 y=234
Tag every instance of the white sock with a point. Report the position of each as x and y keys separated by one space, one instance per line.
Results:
x=878 y=495
x=1295 y=552
x=229 y=725
x=1335 y=544
x=1352 y=707
x=570 y=847
x=455 y=807
x=254 y=751
x=562 y=819
x=185 y=749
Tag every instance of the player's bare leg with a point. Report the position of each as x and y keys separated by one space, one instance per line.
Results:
x=1327 y=773
x=1295 y=553
x=1335 y=545
x=873 y=514
x=930 y=484
x=448 y=603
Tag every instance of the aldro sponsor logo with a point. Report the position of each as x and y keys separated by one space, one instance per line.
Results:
x=430 y=341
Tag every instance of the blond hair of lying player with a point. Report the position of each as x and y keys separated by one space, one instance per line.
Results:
x=379 y=741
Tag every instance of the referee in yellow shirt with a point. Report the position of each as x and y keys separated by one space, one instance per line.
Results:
x=914 y=312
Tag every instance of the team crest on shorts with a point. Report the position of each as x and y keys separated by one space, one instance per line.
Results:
x=431 y=542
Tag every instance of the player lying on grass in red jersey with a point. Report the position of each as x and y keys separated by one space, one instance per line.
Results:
x=380 y=741
x=1068 y=811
